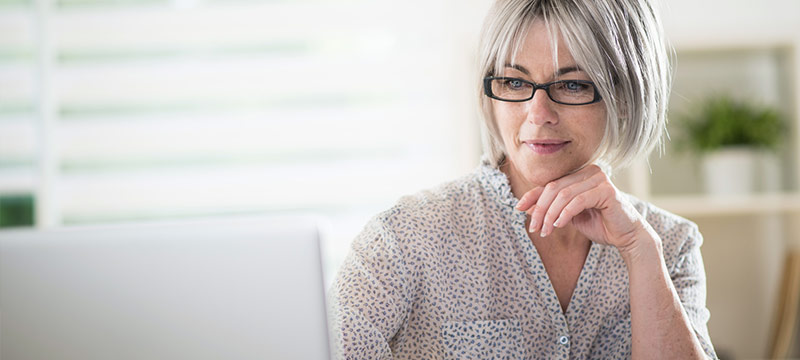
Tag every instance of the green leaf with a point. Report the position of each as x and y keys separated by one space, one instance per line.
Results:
x=721 y=121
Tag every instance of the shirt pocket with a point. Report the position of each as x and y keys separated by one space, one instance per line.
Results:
x=486 y=339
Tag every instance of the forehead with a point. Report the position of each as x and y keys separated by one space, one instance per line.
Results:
x=542 y=50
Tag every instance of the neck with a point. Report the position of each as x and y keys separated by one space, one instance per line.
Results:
x=519 y=185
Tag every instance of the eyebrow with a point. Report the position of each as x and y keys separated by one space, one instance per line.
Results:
x=559 y=72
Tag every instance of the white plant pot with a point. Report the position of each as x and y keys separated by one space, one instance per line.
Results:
x=768 y=169
x=730 y=171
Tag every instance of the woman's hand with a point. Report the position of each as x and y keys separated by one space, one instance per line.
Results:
x=589 y=201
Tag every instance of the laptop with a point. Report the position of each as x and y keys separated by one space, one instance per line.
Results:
x=215 y=288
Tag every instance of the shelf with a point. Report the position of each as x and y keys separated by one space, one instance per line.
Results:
x=705 y=205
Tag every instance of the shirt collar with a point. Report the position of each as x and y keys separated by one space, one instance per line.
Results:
x=496 y=183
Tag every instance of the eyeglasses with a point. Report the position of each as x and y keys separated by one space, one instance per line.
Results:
x=566 y=92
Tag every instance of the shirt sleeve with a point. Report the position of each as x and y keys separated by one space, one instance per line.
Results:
x=369 y=299
x=689 y=279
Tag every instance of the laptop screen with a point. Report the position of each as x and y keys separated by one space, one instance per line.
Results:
x=225 y=288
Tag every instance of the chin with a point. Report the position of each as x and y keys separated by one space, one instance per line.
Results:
x=540 y=178
x=539 y=173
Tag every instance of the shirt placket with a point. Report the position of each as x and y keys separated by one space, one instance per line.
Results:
x=561 y=340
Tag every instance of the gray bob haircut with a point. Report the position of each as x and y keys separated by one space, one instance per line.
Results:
x=619 y=43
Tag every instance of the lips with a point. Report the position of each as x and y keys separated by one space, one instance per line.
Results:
x=546 y=146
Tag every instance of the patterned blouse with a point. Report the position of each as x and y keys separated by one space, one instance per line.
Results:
x=451 y=273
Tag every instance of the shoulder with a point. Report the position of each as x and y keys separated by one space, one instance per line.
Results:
x=437 y=214
x=438 y=202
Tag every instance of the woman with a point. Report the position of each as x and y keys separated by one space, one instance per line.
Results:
x=536 y=254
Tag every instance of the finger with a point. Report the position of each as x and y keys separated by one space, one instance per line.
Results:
x=596 y=198
x=577 y=205
x=564 y=197
x=529 y=198
x=551 y=191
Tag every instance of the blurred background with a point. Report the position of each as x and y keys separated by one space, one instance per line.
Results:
x=117 y=110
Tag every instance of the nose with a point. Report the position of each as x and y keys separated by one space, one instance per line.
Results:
x=540 y=109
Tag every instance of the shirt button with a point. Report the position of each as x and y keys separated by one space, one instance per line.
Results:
x=563 y=340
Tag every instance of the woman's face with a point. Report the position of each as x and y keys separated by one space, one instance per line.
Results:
x=545 y=140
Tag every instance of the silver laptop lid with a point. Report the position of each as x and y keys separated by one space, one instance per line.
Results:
x=227 y=288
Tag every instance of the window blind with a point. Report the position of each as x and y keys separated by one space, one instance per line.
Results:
x=178 y=108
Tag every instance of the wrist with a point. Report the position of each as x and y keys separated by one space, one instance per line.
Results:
x=645 y=246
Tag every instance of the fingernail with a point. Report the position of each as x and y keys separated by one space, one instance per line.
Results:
x=542 y=234
x=519 y=202
x=533 y=225
x=555 y=223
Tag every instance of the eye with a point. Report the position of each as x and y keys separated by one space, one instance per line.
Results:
x=573 y=92
x=514 y=83
x=575 y=86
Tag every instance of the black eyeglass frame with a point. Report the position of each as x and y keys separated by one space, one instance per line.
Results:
x=487 y=89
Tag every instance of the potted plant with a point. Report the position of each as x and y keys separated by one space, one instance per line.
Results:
x=731 y=135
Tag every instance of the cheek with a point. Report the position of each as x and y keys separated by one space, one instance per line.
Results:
x=588 y=129
x=596 y=131
x=593 y=122
x=507 y=122
x=600 y=128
